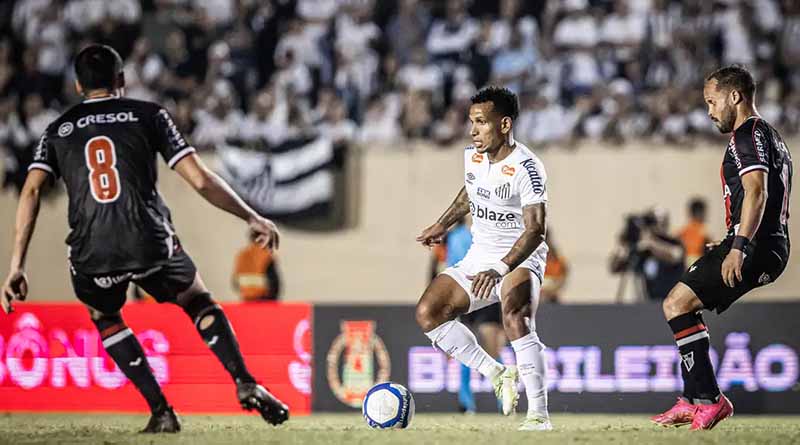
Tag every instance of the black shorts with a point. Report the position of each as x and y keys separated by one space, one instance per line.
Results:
x=107 y=292
x=765 y=261
x=488 y=314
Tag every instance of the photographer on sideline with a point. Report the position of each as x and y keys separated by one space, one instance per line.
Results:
x=649 y=254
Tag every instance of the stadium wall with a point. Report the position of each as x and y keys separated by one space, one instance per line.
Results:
x=399 y=192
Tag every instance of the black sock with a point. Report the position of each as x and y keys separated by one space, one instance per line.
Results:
x=214 y=328
x=691 y=335
x=123 y=347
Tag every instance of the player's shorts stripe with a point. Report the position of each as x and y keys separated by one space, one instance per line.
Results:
x=689 y=331
x=41 y=166
x=691 y=338
x=746 y=170
x=180 y=155
x=116 y=338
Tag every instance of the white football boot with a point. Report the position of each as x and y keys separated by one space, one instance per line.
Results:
x=505 y=389
x=535 y=423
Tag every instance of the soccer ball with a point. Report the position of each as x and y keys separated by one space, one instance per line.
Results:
x=388 y=405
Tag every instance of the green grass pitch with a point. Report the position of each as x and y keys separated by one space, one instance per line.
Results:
x=450 y=429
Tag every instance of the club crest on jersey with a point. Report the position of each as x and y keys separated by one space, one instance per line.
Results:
x=483 y=193
x=508 y=170
x=477 y=158
x=504 y=191
x=65 y=129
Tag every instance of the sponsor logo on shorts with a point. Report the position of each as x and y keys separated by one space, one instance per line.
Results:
x=508 y=170
x=107 y=282
x=65 y=129
x=504 y=191
x=483 y=193
x=764 y=279
x=477 y=158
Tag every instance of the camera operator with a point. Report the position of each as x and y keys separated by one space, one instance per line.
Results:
x=647 y=252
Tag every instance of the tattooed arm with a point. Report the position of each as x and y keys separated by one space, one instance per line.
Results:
x=457 y=210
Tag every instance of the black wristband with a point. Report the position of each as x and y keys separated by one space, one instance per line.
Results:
x=740 y=242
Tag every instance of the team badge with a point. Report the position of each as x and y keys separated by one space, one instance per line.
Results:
x=504 y=191
x=65 y=129
x=508 y=170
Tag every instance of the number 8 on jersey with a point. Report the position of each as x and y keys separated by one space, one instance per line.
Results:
x=101 y=159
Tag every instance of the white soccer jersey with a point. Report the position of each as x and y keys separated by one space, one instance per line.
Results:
x=497 y=193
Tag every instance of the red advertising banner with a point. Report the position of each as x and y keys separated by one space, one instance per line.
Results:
x=52 y=359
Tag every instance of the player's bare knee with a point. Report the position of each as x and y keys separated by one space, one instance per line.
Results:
x=680 y=301
x=514 y=319
x=427 y=316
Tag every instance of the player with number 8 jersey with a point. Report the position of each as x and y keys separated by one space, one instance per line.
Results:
x=105 y=149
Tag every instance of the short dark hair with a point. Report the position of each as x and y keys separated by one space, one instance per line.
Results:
x=505 y=102
x=697 y=206
x=735 y=77
x=98 y=66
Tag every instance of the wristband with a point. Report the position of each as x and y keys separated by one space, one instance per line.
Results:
x=501 y=268
x=740 y=242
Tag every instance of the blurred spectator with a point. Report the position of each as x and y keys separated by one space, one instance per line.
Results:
x=647 y=253
x=555 y=273
x=613 y=70
x=694 y=234
x=255 y=273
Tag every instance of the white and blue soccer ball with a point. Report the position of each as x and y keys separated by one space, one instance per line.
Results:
x=388 y=405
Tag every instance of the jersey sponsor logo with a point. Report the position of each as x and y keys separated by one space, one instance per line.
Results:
x=40 y=152
x=504 y=191
x=502 y=220
x=533 y=174
x=477 y=158
x=175 y=136
x=758 y=138
x=483 y=193
x=508 y=170
x=65 y=129
x=734 y=153
x=470 y=178
x=107 y=118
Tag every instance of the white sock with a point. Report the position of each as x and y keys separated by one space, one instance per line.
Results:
x=457 y=341
x=532 y=369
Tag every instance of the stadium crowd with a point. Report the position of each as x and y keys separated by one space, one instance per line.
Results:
x=373 y=71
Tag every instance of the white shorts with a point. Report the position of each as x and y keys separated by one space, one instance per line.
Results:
x=471 y=265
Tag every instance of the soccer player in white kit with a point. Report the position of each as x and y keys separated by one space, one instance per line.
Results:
x=505 y=193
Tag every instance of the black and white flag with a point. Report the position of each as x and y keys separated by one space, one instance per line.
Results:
x=294 y=178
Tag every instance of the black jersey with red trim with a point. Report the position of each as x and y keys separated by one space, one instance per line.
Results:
x=105 y=151
x=756 y=145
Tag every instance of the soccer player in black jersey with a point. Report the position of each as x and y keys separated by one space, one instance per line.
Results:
x=121 y=231
x=756 y=180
